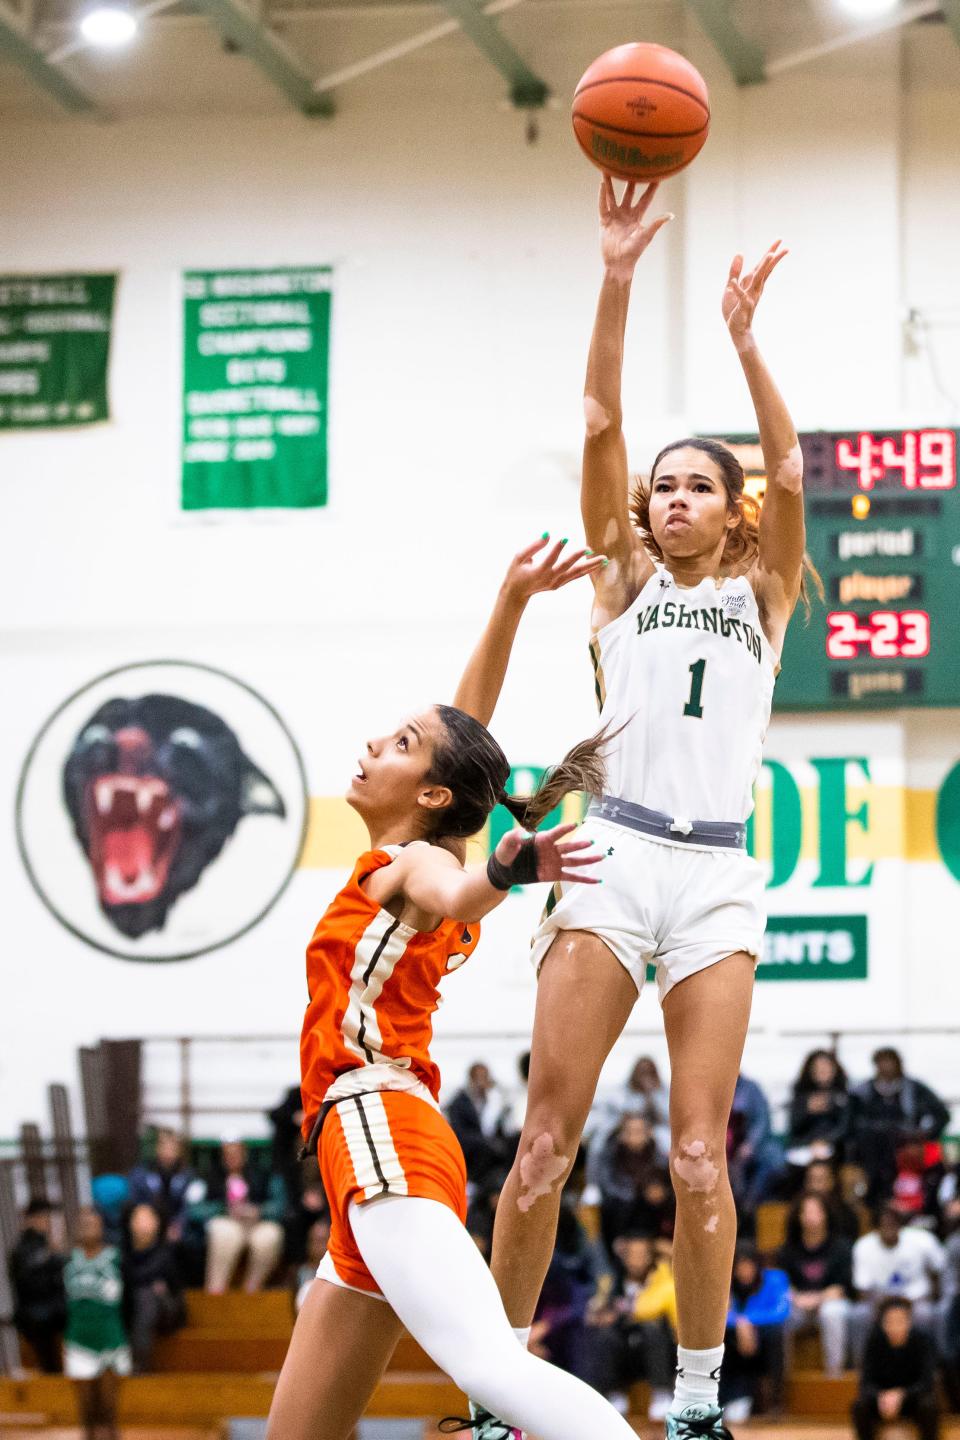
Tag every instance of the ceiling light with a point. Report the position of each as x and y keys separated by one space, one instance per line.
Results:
x=108 y=26
x=867 y=9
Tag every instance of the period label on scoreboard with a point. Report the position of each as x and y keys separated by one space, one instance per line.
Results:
x=883 y=530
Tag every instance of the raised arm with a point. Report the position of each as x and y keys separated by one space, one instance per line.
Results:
x=782 y=532
x=541 y=566
x=606 y=479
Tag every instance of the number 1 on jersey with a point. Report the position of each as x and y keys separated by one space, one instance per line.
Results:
x=693 y=706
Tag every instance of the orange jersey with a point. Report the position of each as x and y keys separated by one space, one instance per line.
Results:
x=373 y=984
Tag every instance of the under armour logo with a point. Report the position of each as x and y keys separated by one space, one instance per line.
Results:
x=610 y=851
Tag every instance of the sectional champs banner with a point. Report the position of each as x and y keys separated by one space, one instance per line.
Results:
x=54 y=349
x=255 y=379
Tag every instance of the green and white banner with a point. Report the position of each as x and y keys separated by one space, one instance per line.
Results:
x=54 y=349
x=255 y=380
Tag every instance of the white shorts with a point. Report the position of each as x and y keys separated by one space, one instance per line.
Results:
x=79 y=1363
x=677 y=907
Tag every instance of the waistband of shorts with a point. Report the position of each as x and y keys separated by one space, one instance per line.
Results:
x=725 y=834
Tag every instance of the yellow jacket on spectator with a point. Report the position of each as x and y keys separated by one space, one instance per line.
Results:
x=656 y=1297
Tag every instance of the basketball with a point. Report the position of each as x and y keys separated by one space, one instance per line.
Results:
x=641 y=112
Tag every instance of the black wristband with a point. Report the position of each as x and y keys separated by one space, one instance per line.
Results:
x=522 y=869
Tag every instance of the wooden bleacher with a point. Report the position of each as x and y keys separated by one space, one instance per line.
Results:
x=225 y=1361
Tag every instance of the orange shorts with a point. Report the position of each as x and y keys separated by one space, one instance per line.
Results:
x=385 y=1143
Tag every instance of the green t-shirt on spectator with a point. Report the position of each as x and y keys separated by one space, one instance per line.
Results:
x=94 y=1287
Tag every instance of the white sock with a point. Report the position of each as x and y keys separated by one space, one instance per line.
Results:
x=698 y=1378
x=522 y=1333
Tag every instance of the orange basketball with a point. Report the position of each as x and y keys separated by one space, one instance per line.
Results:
x=641 y=112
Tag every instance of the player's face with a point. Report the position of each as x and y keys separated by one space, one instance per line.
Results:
x=689 y=510
x=391 y=774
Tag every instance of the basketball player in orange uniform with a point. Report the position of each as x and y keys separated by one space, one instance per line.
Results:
x=393 y=1171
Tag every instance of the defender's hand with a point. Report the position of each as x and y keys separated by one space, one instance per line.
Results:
x=547 y=566
x=557 y=858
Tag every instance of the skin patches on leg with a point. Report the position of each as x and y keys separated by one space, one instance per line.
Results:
x=700 y=1176
x=540 y=1169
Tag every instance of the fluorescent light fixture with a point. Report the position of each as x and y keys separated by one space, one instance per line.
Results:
x=108 y=26
x=867 y=9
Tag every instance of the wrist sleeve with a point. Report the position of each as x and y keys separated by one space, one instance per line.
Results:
x=522 y=870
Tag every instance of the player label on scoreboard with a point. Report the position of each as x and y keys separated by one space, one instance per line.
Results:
x=256 y=362
x=54 y=349
x=883 y=530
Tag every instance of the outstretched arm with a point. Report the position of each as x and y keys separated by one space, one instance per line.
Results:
x=603 y=491
x=435 y=883
x=782 y=530
x=541 y=566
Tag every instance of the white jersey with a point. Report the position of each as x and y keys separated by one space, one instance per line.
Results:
x=691 y=674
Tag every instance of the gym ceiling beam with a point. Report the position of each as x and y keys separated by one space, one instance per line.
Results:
x=743 y=58
x=16 y=45
x=241 y=28
x=527 y=90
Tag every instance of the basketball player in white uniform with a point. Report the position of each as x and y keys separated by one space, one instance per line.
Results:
x=689 y=618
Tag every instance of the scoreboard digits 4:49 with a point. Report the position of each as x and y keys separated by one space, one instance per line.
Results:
x=883 y=529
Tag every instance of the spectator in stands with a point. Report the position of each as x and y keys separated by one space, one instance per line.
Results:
x=753 y=1363
x=817 y=1261
x=474 y=1113
x=515 y=1110
x=318 y=1238
x=286 y=1120
x=167 y=1183
x=920 y=1172
x=242 y=1212
x=557 y=1334
x=36 y=1275
x=310 y=1205
x=754 y=1159
x=901 y=1260
x=631 y=1327
x=951 y=1326
x=95 y=1349
x=948 y=1200
x=643 y=1093
x=152 y=1291
x=898 y=1376
x=821 y=1179
x=889 y=1110
x=625 y=1170
x=483 y=1210
x=819 y=1114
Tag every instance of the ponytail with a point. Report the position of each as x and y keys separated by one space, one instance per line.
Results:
x=470 y=762
x=583 y=768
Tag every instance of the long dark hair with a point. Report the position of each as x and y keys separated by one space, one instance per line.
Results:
x=743 y=540
x=468 y=760
x=794 y=1228
x=804 y=1081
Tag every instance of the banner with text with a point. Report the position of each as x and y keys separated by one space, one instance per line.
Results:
x=255 y=373
x=54 y=349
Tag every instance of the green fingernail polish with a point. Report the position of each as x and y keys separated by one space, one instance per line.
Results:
x=564 y=540
x=605 y=564
x=545 y=535
x=588 y=552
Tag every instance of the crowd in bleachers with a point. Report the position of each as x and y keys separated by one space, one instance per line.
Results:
x=849 y=1233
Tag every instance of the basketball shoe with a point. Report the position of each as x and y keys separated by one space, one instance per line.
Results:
x=484 y=1425
x=697 y=1422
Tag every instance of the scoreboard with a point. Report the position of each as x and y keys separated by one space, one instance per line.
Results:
x=883 y=529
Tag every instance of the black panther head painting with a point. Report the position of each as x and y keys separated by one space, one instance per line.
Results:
x=155 y=787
